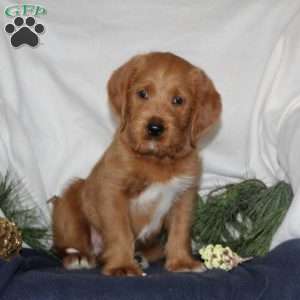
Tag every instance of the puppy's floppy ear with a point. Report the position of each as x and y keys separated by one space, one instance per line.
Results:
x=208 y=104
x=118 y=86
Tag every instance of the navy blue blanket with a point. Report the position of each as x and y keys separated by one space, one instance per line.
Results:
x=37 y=276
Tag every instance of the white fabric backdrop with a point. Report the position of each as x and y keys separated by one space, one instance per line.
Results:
x=54 y=118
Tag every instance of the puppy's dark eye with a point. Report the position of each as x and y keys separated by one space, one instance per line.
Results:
x=143 y=94
x=177 y=100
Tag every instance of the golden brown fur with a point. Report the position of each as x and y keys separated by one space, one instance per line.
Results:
x=135 y=161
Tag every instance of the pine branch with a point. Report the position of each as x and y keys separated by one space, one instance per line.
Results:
x=243 y=216
x=15 y=204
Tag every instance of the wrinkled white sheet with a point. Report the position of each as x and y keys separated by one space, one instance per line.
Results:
x=54 y=118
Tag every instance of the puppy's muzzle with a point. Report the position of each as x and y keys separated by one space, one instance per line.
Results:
x=155 y=128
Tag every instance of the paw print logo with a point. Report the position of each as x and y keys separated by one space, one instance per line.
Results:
x=24 y=31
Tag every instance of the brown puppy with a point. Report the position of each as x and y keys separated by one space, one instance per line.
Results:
x=147 y=179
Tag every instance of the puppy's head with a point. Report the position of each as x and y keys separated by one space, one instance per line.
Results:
x=164 y=104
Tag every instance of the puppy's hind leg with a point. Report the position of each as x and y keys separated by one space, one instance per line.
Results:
x=71 y=232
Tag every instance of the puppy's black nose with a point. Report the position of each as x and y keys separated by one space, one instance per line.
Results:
x=155 y=128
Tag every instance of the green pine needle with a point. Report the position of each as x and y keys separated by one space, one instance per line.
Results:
x=243 y=216
x=14 y=202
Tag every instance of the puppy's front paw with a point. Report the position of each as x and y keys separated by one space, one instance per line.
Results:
x=125 y=270
x=187 y=264
x=76 y=261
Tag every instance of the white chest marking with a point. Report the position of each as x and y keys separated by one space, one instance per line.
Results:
x=163 y=195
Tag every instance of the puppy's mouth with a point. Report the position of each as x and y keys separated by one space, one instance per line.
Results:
x=152 y=147
x=155 y=148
